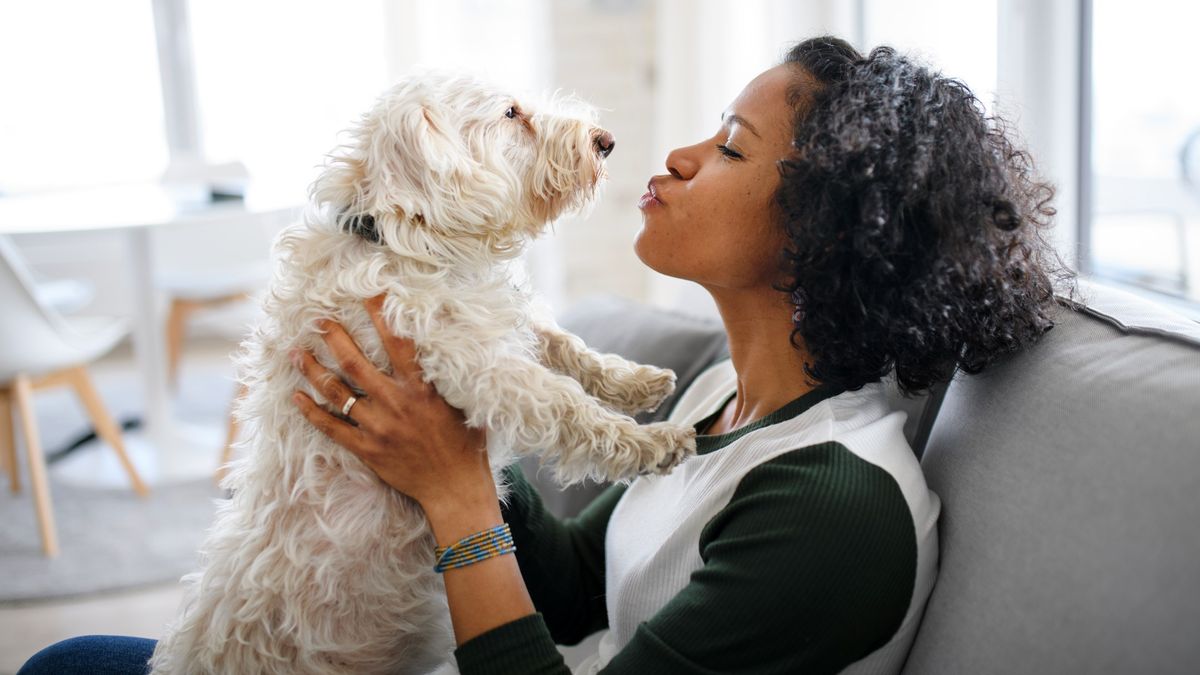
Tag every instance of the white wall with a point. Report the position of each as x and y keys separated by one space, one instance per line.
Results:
x=604 y=52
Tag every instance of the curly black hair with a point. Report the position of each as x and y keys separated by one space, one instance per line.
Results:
x=915 y=223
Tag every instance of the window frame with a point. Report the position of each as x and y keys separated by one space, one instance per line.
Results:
x=1083 y=226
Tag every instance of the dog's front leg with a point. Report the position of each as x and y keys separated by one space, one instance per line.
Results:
x=622 y=384
x=533 y=409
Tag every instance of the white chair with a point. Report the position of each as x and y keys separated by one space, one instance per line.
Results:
x=66 y=296
x=38 y=349
x=206 y=266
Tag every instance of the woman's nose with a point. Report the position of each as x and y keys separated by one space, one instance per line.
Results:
x=681 y=164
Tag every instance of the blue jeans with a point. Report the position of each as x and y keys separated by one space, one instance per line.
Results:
x=94 y=655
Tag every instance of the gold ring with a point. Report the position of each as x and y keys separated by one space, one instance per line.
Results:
x=348 y=405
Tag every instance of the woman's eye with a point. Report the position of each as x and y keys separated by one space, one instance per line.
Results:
x=511 y=112
x=728 y=152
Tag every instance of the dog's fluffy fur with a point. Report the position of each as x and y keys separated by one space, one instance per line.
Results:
x=315 y=565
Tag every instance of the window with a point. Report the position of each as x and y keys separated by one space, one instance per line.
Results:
x=1142 y=157
x=81 y=92
x=276 y=80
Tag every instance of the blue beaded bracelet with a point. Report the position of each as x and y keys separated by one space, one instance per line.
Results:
x=489 y=543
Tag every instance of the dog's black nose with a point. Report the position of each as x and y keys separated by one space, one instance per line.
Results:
x=605 y=143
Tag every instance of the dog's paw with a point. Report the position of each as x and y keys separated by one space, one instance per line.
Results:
x=675 y=444
x=651 y=449
x=647 y=388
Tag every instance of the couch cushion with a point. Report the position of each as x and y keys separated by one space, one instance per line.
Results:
x=1070 y=487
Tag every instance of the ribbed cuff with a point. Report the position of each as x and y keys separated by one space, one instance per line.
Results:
x=519 y=647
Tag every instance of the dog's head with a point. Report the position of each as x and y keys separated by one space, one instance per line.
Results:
x=463 y=159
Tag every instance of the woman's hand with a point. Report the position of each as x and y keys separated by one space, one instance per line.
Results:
x=419 y=445
x=415 y=441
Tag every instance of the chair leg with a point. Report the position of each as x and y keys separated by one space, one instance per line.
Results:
x=106 y=428
x=23 y=391
x=8 y=441
x=176 y=326
x=230 y=435
x=177 y=318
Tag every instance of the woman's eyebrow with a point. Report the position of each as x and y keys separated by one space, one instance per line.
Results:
x=730 y=118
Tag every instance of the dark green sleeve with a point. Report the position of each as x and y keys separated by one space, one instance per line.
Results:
x=808 y=568
x=562 y=561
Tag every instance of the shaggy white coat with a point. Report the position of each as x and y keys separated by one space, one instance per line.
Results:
x=315 y=565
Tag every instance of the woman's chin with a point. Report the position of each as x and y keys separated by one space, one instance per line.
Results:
x=656 y=252
x=656 y=264
x=643 y=248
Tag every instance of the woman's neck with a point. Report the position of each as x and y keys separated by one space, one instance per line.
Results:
x=770 y=369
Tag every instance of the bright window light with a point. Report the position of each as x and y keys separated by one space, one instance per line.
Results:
x=1145 y=148
x=277 y=80
x=82 y=101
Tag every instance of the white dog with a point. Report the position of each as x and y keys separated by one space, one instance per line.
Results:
x=315 y=565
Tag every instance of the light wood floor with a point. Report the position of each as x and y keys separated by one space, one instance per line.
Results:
x=26 y=629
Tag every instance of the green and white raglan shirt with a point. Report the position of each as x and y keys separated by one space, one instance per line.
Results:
x=805 y=542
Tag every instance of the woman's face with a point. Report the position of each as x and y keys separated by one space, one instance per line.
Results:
x=711 y=218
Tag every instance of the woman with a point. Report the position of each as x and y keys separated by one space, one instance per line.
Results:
x=851 y=217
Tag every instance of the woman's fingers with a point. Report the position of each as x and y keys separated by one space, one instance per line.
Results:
x=337 y=430
x=351 y=360
x=329 y=384
x=401 y=428
x=402 y=352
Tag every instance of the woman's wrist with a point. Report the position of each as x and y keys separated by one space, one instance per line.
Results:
x=455 y=516
x=488 y=593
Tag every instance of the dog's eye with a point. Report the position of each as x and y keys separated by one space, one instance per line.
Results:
x=511 y=112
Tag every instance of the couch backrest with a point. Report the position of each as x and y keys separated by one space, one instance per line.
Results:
x=1070 y=485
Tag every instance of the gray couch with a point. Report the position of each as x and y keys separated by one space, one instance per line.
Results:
x=1070 y=484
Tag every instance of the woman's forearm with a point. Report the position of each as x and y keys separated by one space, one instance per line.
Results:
x=486 y=594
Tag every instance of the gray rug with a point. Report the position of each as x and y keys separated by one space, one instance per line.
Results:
x=110 y=539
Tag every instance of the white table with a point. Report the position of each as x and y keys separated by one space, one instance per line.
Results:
x=163 y=450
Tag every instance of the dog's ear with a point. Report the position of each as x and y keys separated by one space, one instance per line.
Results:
x=407 y=158
x=426 y=169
